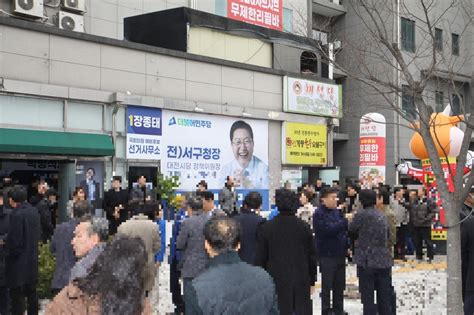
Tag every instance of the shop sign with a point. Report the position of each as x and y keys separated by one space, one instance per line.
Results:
x=312 y=97
x=372 y=150
x=143 y=133
x=199 y=147
x=304 y=144
x=266 y=13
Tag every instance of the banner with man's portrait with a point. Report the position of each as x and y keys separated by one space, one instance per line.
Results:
x=199 y=147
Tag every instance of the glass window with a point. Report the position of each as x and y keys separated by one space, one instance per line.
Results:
x=309 y=62
x=439 y=98
x=455 y=44
x=439 y=39
x=408 y=103
x=408 y=35
x=457 y=106
x=287 y=20
x=29 y=111
x=84 y=116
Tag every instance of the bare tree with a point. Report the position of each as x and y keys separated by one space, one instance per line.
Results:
x=391 y=67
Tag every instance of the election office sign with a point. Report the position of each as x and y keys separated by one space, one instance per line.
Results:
x=143 y=133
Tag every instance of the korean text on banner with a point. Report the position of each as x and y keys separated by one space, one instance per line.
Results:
x=304 y=144
x=372 y=150
x=143 y=133
x=205 y=147
x=266 y=13
x=312 y=98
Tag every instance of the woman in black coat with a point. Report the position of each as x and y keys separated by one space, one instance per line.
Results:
x=286 y=251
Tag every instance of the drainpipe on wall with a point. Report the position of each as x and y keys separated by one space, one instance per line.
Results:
x=114 y=136
x=309 y=22
x=397 y=78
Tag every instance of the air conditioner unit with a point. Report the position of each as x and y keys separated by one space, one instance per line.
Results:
x=75 y=5
x=33 y=8
x=71 y=22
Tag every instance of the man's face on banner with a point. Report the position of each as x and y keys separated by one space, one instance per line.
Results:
x=242 y=146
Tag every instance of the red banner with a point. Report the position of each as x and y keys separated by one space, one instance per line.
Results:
x=266 y=13
x=372 y=151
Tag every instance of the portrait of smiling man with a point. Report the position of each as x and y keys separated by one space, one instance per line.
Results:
x=248 y=171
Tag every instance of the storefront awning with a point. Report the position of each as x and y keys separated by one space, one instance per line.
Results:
x=55 y=143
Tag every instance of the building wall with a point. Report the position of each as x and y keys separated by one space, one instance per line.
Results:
x=105 y=17
x=44 y=58
x=212 y=43
x=90 y=72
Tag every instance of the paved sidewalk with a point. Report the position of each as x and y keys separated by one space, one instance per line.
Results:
x=420 y=289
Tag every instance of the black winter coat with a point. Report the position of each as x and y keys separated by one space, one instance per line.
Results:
x=22 y=246
x=286 y=250
x=467 y=256
x=4 y=227
x=47 y=227
x=250 y=223
x=113 y=199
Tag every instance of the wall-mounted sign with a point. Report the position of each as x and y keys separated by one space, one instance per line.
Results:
x=266 y=13
x=312 y=97
x=372 y=150
x=143 y=133
x=304 y=144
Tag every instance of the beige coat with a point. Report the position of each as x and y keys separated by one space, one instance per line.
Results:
x=141 y=226
x=72 y=301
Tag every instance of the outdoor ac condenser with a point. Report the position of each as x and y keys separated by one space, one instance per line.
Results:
x=31 y=8
x=71 y=22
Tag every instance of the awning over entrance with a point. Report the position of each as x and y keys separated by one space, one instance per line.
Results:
x=57 y=143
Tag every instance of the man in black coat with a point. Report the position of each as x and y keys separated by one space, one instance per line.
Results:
x=421 y=216
x=4 y=227
x=250 y=223
x=22 y=257
x=40 y=202
x=467 y=254
x=115 y=205
x=330 y=228
x=286 y=250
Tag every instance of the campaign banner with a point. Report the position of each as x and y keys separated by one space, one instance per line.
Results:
x=304 y=144
x=312 y=97
x=143 y=133
x=372 y=150
x=266 y=13
x=199 y=147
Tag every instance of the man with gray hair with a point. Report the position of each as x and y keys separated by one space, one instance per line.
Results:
x=90 y=236
x=229 y=285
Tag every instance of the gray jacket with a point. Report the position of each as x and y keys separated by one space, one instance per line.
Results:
x=227 y=200
x=402 y=215
x=62 y=250
x=191 y=242
x=372 y=230
x=83 y=266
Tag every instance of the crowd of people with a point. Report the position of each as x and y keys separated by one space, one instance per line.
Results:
x=224 y=258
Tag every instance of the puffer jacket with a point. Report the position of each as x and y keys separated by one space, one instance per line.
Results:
x=422 y=214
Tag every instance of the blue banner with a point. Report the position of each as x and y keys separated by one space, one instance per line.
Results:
x=144 y=120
